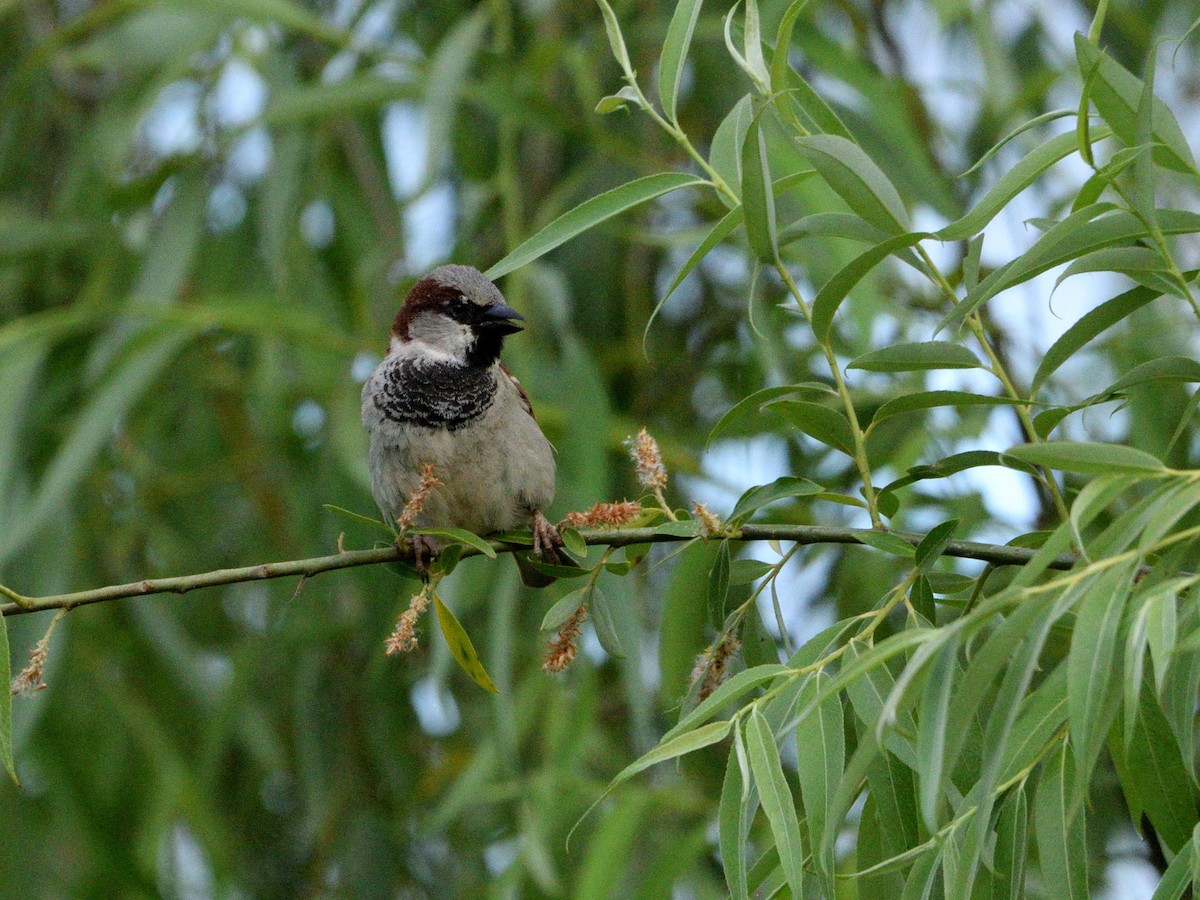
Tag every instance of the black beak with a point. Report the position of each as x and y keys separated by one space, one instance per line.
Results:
x=498 y=319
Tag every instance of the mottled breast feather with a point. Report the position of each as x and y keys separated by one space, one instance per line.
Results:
x=435 y=394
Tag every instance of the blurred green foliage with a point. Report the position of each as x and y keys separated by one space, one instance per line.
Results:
x=191 y=285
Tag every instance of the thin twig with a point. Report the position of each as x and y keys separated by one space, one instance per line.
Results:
x=995 y=554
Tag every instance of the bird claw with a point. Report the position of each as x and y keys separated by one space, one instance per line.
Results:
x=546 y=539
x=424 y=550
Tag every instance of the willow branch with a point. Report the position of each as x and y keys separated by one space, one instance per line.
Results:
x=995 y=554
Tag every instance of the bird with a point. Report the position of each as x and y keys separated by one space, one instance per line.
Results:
x=441 y=397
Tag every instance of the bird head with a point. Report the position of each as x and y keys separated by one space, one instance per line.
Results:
x=456 y=312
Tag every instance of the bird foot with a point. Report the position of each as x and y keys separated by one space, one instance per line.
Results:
x=546 y=539
x=424 y=550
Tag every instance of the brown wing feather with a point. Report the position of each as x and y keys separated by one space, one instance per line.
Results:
x=520 y=390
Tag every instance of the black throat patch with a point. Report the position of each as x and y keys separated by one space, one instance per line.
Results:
x=436 y=394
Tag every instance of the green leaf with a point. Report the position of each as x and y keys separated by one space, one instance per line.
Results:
x=1180 y=874
x=1016 y=179
x=918 y=357
x=1091 y=228
x=776 y=798
x=1116 y=92
x=931 y=730
x=670 y=748
x=1043 y=715
x=616 y=41
x=1093 y=323
x=736 y=687
x=1143 y=265
x=763 y=495
x=718 y=586
x=826 y=425
x=758 y=199
x=6 y=738
x=1092 y=686
x=461 y=647
x=674 y=54
x=1166 y=368
x=564 y=609
x=725 y=156
x=458 y=536
x=748 y=571
x=830 y=297
x=358 y=517
x=1085 y=458
x=735 y=814
x=589 y=214
x=933 y=545
x=747 y=407
x=886 y=542
x=719 y=232
x=907 y=403
x=820 y=758
x=613 y=102
x=604 y=617
x=855 y=178
x=444 y=82
x=1061 y=838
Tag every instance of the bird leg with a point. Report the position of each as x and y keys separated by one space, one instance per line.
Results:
x=424 y=550
x=546 y=539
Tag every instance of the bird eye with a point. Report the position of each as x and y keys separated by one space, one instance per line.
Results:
x=459 y=308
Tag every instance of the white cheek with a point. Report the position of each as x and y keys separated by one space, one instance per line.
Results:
x=442 y=334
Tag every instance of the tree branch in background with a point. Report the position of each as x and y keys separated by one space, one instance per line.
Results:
x=996 y=554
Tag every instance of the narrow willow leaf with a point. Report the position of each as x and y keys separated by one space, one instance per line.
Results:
x=458 y=536
x=725 y=155
x=719 y=232
x=894 y=792
x=765 y=494
x=1091 y=228
x=1043 y=715
x=1161 y=631
x=944 y=468
x=1093 y=323
x=886 y=542
x=589 y=214
x=718 y=586
x=616 y=41
x=758 y=200
x=461 y=647
x=933 y=399
x=868 y=682
x=1143 y=265
x=748 y=571
x=358 y=517
x=564 y=609
x=689 y=742
x=834 y=224
x=613 y=102
x=1116 y=93
x=820 y=758
x=1085 y=458
x=756 y=64
x=573 y=542
x=749 y=407
x=803 y=107
x=605 y=619
x=831 y=295
x=916 y=357
x=448 y=71
x=931 y=724
x=1016 y=132
x=736 y=687
x=922 y=881
x=1016 y=179
x=822 y=423
x=933 y=545
x=855 y=178
x=1061 y=838
x=1092 y=685
x=1166 y=368
x=776 y=799
x=1180 y=874
x=735 y=813
x=6 y=738
x=1181 y=715
x=674 y=54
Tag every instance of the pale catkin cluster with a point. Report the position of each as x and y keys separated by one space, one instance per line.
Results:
x=604 y=515
x=710 y=524
x=563 y=646
x=416 y=502
x=403 y=638
x=29 y=679
x=712 y=667
x=651 y=473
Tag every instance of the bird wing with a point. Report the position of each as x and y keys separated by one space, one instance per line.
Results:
x=520 y=390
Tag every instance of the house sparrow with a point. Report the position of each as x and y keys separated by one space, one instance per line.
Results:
x=441 y=396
